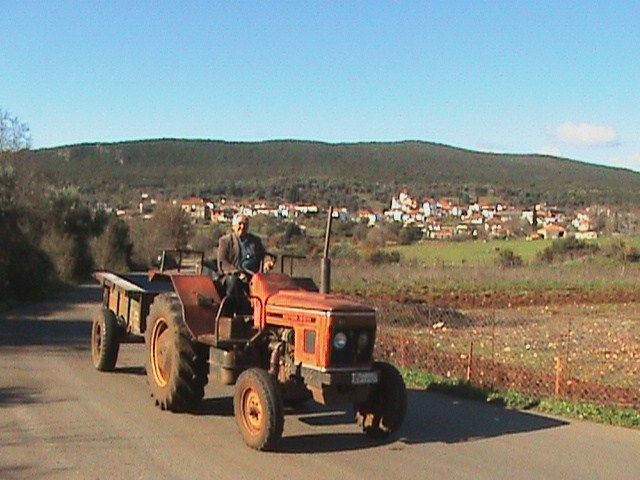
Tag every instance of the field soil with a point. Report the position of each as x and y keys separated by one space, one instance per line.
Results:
x=508 y=299
x=574 y=345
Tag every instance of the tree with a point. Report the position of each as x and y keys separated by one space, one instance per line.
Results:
x=25 y=269
x=409 y=234
x=112 y=249
x=14 y=134
x=68 y=227
x=169 y=228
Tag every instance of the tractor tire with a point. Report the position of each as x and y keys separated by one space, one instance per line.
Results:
x=258 y=408
x=383 y=413
x=105 y=342
x=177 y=366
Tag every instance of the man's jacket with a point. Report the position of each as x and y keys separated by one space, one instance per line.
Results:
x=229 y=252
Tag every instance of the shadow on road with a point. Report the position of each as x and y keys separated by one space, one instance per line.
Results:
x=18 y=396
x=130 y=370
x=31 y=331
x=218 y=406
x=434 y=417
x=54 y=322
x=431 y=418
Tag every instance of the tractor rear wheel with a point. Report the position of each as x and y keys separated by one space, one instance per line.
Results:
x=105 y=343
x=383 y=413
x=177 y=366
x=258 y=408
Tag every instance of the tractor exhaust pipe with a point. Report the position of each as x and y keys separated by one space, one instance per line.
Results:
x=325 y=266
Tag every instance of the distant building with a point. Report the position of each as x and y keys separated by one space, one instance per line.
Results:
x=552 y=232
x=197 y=208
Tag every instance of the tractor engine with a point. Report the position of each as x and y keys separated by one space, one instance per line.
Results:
x=321 y=341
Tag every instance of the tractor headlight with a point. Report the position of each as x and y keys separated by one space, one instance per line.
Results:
x=340 y=341
x=363 y=340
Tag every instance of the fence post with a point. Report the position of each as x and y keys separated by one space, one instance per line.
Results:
x=470 y=362
x=493 y=350
x=403 y=348
x=559 y=370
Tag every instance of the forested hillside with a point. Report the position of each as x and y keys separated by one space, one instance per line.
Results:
x=313 y=171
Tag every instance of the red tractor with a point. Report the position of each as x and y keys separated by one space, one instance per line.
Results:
x=284 y=344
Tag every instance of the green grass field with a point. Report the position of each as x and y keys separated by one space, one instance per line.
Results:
x=480 y=253
x=440 y=253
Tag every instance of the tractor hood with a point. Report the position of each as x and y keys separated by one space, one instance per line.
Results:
x=305 y=300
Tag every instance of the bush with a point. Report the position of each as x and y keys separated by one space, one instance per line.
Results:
x=206 y=239
x=345 y=251
x=70 y=256
x=621 y=251
x=292 y=231
x=567 y=249
x=378 y=257
x=508 y=259
x=112 y=249
x=25 y=270
x=409 y=235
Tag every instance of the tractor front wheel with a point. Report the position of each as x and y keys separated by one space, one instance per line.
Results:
x=177 y=367
x=105 y=343
x=258 y=408
x=384 y=411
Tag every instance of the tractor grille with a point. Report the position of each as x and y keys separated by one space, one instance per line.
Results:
x=352 y=353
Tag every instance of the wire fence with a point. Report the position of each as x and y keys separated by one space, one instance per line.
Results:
x=580 y=353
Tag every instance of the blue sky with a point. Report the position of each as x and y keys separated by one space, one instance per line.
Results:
x=556 y=77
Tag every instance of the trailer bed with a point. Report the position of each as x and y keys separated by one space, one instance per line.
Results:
x=129 y=297
x=133 y=282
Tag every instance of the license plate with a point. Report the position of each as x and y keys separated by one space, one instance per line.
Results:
x=362 y=378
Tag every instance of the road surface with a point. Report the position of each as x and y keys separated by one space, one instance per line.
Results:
x=60 y=418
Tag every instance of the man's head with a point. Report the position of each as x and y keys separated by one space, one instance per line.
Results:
x=240 y=224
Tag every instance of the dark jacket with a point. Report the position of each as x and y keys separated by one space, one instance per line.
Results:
x=229 y=252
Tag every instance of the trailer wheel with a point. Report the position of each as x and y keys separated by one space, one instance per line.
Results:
x=177 y=367
x=258 y=408
x=383 y=413
x=105 y=343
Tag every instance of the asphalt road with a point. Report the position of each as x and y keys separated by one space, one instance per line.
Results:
x=60 y=418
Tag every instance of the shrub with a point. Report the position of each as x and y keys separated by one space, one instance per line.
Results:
x=112 y=249
x=621 y=251
x=25 y=270
x=344 y=251
x=508 y=259
x=378 y=257
x=567 y=249
x=70 y=255
x=206 y=239
x=409 y=235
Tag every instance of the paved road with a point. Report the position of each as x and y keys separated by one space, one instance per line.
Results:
x=59 y=418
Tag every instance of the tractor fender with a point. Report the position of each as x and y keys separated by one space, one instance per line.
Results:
x=200 y=302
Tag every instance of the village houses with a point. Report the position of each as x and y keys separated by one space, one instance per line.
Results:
x=438 y=218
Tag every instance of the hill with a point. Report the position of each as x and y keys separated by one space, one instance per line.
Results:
x=307 y=169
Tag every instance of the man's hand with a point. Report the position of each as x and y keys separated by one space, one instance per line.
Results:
x=268 y=264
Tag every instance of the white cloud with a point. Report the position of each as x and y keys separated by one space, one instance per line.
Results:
x=586 y=134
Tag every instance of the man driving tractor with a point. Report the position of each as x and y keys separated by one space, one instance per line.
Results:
x=240 y=255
